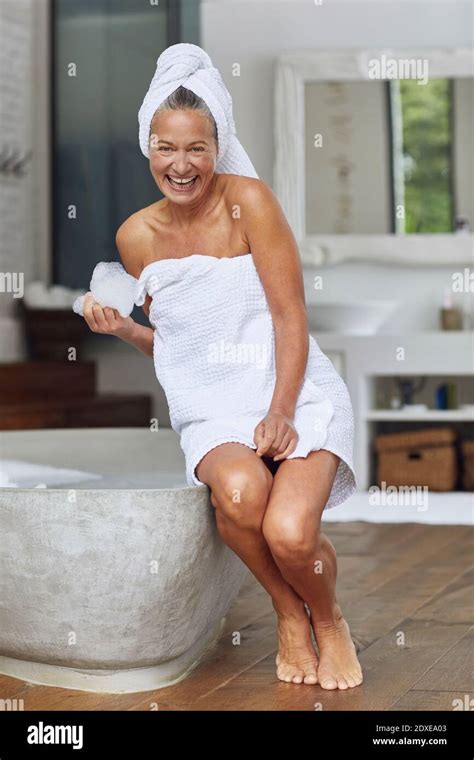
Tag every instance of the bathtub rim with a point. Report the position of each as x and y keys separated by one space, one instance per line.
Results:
x=112 y=491
x=34 y=436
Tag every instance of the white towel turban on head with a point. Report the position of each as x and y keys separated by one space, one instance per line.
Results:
x=190 y=66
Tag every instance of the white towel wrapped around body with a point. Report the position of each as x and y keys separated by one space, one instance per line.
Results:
x=214 y=355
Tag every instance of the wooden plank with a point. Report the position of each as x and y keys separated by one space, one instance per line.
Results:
x=434 y=700
x=376 y=612
x=53 y=698
x=453 y=671
x=10 y=687
x=389 y=671
x=453 y=605
x=258 y=641
x=370 y=538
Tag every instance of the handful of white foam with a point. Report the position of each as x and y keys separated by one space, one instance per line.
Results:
x=110 y=286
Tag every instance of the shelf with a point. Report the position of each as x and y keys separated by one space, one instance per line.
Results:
x=448 y=415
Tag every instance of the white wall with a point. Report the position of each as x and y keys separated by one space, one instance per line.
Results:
x=16 y=109
x=254 y=32
x=24 y=125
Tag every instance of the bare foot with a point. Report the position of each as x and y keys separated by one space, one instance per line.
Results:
x=296 y=659
x=339 y=667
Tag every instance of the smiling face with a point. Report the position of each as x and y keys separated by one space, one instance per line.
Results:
x=182 y=147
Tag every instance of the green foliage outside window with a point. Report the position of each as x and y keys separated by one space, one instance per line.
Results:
x=427 y=139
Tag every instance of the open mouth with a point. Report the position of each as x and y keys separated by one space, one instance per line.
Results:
x=181 y=185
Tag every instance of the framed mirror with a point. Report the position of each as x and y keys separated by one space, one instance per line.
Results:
x=374 y=154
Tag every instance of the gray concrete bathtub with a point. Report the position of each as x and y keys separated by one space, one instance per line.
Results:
x=117 y=585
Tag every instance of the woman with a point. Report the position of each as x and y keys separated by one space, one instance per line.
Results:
x=264 y=419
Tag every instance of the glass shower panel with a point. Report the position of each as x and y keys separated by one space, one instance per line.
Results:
x=105 y=53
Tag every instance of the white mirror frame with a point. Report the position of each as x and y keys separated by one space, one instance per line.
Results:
x=293 y=70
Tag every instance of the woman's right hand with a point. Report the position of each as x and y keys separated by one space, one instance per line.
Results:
x=106 y=321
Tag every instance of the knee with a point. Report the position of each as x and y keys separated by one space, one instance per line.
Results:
x=290 y=539
x=240 y=494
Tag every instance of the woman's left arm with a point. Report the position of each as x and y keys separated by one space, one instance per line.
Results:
x=276 y=258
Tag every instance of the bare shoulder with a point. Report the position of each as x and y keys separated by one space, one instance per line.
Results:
x=134 y=238
x=261 y=213
x=255 y=198
x=253 y=193
x=237 y=183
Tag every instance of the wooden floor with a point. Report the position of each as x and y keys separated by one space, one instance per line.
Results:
x=407 y=593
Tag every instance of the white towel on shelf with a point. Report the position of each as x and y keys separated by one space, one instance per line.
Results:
x=190 y=66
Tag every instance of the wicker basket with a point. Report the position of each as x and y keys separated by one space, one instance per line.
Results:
x=418 y=458
x=467 y=449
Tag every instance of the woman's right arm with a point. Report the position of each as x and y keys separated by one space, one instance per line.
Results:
x=141 y=337
x=130 y=240
x=106 y=321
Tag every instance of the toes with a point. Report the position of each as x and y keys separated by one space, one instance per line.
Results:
x=328 y=683
x=341 y=682
x=285 y=673
x=356 y=677
x=290 y=674
x=282 y=674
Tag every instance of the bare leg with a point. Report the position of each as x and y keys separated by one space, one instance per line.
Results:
x=307 y=559
x=240 y=485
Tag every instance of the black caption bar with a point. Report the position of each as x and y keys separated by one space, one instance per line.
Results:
x=80 y=734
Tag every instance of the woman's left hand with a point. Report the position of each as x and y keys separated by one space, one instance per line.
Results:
x=275 y=436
